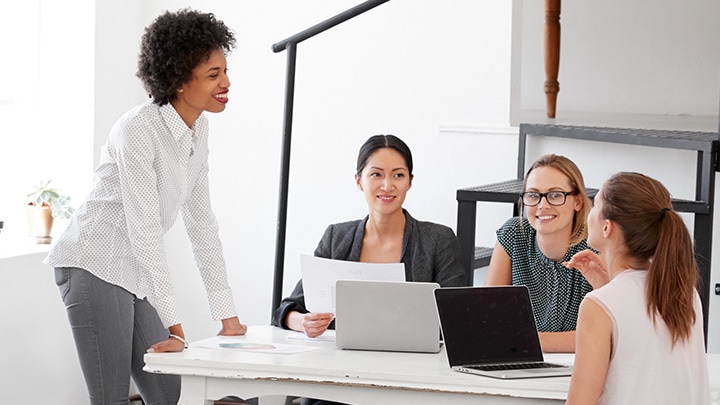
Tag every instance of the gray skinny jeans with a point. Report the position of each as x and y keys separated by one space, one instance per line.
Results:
x=113 y=330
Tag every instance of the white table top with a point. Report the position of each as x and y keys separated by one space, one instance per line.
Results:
x=405 y=371
x=348 y=374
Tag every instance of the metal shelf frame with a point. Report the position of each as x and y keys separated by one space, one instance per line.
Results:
x=704 y=143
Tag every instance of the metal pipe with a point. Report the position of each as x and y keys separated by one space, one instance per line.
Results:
x=290 y=44
x=284 y=177
x=327 y=24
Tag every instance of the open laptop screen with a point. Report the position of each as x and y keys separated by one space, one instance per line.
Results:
x=487 y=325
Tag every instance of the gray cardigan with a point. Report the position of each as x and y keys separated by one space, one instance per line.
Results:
x=431 y=253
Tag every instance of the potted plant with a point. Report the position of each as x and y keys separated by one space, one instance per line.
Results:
x=46 y=203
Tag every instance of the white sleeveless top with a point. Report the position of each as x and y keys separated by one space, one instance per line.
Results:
x=644 y=366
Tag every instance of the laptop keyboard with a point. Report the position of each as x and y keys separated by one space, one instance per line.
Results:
x=513 y=366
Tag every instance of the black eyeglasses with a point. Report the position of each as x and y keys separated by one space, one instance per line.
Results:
x=556 y=198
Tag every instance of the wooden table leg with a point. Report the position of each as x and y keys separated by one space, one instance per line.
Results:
x=552 y=54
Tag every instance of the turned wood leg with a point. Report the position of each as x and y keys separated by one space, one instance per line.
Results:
x=552 y=54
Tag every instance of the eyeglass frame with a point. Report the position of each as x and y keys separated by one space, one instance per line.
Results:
x=544 y=195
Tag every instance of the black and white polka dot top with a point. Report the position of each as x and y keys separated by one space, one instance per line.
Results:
x=555 y=291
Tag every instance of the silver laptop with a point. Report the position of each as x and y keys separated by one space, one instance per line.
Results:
x=491 y=331
x=394 y=316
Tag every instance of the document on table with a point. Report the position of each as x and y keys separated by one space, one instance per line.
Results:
x=241 y=343
x=319 y=276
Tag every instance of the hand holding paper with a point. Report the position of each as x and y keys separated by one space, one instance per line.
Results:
x=320 y=274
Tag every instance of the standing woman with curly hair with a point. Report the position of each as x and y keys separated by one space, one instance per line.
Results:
x=639 y=337
x=110 y=263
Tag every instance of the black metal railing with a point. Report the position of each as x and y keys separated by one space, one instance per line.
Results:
x=290 y=45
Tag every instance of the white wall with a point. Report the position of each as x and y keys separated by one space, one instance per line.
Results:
x=47 y=126
x=47 y=135
x=118 y=29
x=406 y=68
x=641 y=64
x=438 y=74
x=37 y=351
x=413 y=68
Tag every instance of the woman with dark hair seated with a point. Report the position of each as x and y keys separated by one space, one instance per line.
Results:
x=388 y=234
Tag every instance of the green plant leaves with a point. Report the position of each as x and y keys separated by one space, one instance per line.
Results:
x=44 y=194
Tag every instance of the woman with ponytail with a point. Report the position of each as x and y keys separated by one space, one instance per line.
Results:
x=640 y=337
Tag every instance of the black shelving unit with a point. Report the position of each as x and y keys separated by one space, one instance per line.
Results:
x=705 y=144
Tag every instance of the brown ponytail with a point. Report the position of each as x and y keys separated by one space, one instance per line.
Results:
x=642 y=207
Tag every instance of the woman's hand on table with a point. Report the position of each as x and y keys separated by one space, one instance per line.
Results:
x=232 y=327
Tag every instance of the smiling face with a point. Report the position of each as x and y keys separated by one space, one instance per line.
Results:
x=206 y=91
x=546 y=219
x=385 y=180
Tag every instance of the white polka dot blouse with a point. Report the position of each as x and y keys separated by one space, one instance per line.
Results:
x=152 y=167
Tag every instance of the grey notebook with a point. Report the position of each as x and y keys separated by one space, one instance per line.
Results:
x=491 y=331
x=387 y=316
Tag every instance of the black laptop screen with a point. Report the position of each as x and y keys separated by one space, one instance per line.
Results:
x=486 y=325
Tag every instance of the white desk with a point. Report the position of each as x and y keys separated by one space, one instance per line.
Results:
x=357 y=377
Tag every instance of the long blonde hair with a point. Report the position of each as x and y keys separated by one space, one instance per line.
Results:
x=653 y=231
x=571 y=171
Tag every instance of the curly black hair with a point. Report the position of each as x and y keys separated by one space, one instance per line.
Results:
x=173 y=45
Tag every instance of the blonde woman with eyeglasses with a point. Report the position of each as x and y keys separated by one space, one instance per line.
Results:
x=531 y=249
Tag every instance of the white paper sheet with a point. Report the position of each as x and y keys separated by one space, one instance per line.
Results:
x=319 y=276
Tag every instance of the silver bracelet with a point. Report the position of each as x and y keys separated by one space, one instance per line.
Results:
x=180 y=339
